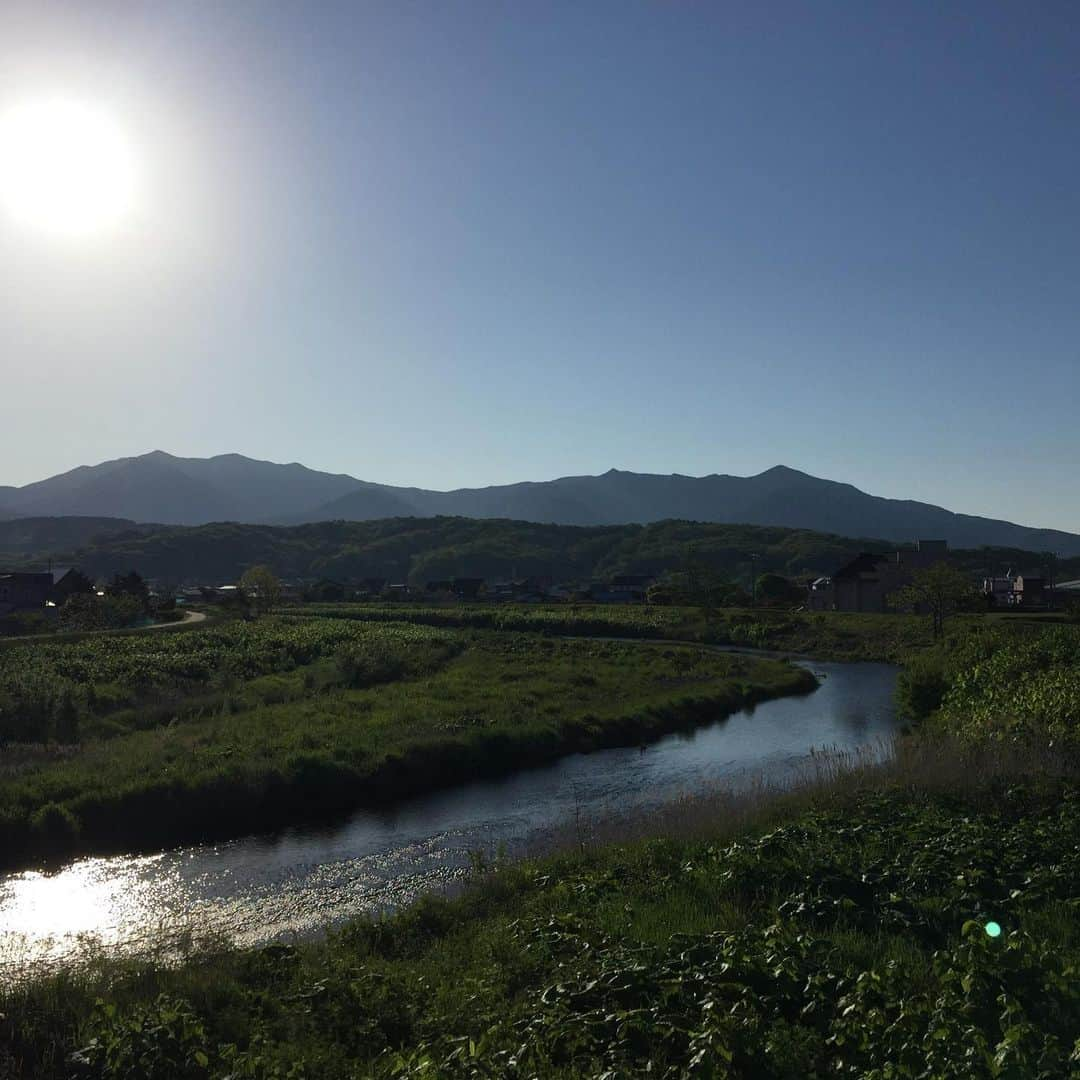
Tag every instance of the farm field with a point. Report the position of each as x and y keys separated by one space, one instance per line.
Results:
x=143 y=742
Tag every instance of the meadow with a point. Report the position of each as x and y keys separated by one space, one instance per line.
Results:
x=825 y=635
x=252 y=726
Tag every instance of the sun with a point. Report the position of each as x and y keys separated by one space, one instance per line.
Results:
x=65 y=167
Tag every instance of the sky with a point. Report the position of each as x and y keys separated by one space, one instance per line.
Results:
x=464 y=243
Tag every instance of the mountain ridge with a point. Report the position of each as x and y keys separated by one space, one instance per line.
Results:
x=172 y=490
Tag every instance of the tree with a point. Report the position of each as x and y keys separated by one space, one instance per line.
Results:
x=85 y=611
x=130 y=584
x=775 y=590
x=939 y=590
x=260 y=584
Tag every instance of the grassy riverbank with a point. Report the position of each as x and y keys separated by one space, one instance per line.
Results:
x=825 y=635
x=301 y=719
x=840 y=932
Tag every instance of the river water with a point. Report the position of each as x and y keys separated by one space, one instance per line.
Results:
x=263 y=888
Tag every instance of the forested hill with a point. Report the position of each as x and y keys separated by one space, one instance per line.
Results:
x=39 y=536
x=420 y=549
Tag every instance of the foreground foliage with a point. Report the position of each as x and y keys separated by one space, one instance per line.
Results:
x=1003 y=687
x=845 y=941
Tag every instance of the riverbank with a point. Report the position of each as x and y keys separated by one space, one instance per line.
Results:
x=837 y=930
x=839 y=636
x=478 y=705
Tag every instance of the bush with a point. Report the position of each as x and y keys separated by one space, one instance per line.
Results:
x=922 y=685
x=162 y=1039
x=367 y=665
x=54 y=825
x=35 y=707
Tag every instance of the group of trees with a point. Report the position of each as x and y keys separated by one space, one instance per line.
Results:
x=938 y=591
x=125 y=601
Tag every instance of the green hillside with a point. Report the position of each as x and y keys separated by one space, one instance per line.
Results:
x=420 y=549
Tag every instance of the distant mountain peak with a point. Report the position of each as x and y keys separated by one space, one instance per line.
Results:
x=165 y=488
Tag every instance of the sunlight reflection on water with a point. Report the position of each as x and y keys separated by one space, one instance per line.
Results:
x=264 y=888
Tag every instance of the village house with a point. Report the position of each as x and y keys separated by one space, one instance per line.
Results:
x=867 y=582
x=623 y=589
x=467 y=588
x=633 y=585
x=24 y=591
x=1019 y=590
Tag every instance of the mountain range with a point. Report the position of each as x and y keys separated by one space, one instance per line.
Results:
x=160 y=487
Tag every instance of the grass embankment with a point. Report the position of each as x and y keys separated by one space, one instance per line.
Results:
x=448 y=706
x=825 y=635
x=842 y=933
x=1003 y=682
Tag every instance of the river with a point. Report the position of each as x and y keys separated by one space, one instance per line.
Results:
x=295 y=883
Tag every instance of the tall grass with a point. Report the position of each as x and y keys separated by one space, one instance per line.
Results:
x=463 y=708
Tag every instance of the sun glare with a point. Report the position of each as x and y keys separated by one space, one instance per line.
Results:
x=64 y=167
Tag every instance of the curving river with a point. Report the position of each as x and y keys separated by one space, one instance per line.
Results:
x=261 y=888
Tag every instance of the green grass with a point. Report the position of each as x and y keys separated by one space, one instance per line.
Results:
x=836 y=933
x=448 y=704
x=825 y=635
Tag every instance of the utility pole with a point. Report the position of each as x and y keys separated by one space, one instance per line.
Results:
x=753 y=579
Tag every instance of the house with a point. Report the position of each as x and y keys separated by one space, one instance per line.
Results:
x=467 y=588
x=562 y=591
x=441 y=586
x=634 y=585
x=400 y=591
x=867 y=582
x=24 y=591
x=66 y=582
x=1001 y=591
x=1030 y=590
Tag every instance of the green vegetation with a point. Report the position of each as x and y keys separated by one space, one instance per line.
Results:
x=826 y=635
x=843 y=938
x=251 y=726
x=1004 y=687
x=836 y=931
x=941 y=590
x=421 y=549
x=121 y=683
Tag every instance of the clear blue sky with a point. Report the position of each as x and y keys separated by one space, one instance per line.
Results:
x=453 y=244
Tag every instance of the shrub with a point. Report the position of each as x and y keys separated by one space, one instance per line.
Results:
x=54 y=825
x=922 y=685
x=367 y=665
x=163 y=1039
